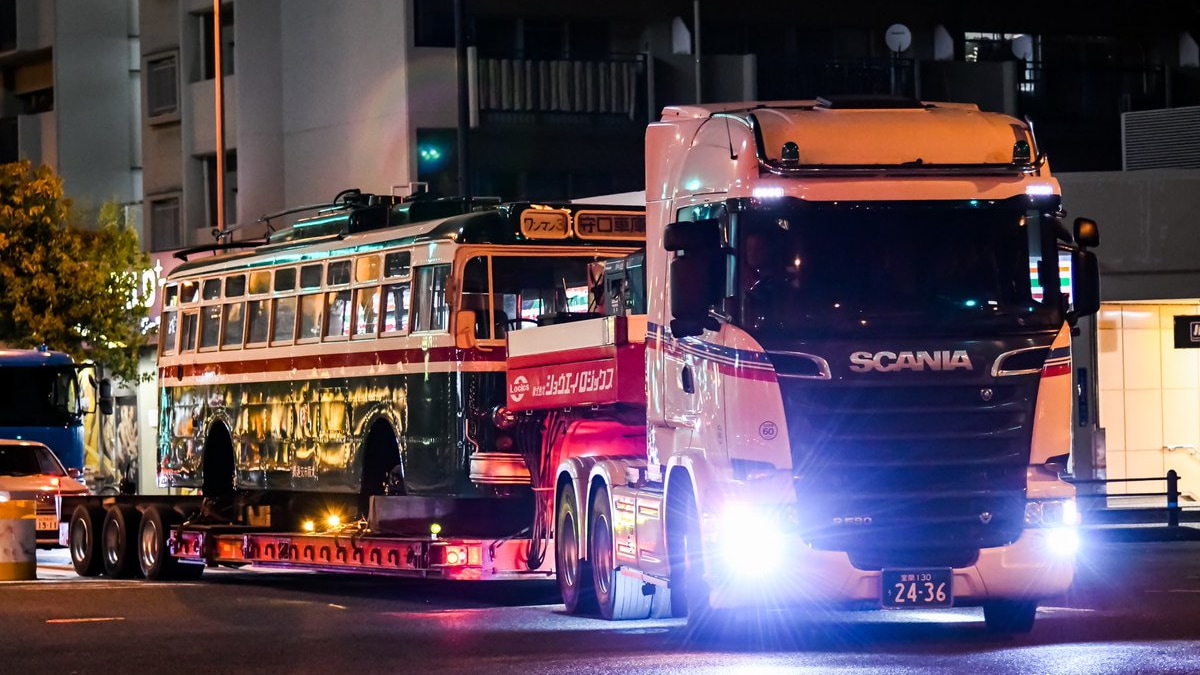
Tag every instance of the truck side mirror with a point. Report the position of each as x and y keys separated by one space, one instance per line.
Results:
x=695 y=274
x=105 y=398
x=1085 y=284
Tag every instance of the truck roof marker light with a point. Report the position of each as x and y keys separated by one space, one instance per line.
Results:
x=333 y=520
x=767 y=192
x=1039 y=190
x=309 y=526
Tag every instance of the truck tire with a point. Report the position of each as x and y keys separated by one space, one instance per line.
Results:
x=119 y=542
x=83 y=540
x=574 y=575
x=619 y=597
x=153 y=552
x=1009 y=617
x=689 y=591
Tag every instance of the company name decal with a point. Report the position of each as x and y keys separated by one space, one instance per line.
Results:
x=562 y=384
x=890 y=362
x=582 y=382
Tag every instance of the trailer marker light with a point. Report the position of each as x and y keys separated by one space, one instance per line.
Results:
x=333 y=520
x=308 y=526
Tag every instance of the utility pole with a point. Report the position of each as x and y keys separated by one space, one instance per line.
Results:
x=219 y=96
x=464 y=114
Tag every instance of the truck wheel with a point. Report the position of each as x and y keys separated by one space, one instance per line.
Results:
x=1009 y=616
x=620 y=597
x=154 y=555
x=574 y=575
x=689 y=590
x=119 y=542
x=84 y=542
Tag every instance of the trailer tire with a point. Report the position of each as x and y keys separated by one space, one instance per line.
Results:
x=120 y=542
x=1009 y=617
x=153 y=551
x=619 y=597
x=574 y=575
x=83 y=540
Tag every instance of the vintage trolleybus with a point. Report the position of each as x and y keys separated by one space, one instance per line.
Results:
x=361 y=352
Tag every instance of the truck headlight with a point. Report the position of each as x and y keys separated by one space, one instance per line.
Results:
x=1051 y=513
x=751 y=540
x=1058 y=518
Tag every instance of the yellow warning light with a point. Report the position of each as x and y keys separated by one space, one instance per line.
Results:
x=434 y=530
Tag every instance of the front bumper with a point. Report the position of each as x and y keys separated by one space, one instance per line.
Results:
x=1032 y=568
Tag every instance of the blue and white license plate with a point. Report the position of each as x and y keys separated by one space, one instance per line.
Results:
x=917 y=588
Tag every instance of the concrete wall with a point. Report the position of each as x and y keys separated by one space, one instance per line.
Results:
x=344 y=113
x=1149 y=249
x=92 y=60
x=260 y=129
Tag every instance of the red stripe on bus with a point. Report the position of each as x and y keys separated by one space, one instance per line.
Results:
x=325 y=361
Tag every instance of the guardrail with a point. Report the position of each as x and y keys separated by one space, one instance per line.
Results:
x=1133 y=514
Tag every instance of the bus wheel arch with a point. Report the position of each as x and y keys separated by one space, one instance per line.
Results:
x=218 y=464
x=382 y=467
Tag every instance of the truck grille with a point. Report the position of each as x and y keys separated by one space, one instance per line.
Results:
x=910 y=475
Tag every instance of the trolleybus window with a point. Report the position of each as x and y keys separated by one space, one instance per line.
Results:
x=285 y=280
x=187 y=337
x=310 y=317
x=397 y=264
x=429 y=305
x=284 y=329
x=210 y=326
x=234 y=323
x=395 y=310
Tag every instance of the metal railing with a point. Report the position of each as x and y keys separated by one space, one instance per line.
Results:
x=1133 y=514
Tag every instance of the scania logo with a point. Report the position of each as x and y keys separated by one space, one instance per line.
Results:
x=519 y=386
x=852 y=520
x=890 y=362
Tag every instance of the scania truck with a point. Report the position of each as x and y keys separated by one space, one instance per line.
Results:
x=851 y=383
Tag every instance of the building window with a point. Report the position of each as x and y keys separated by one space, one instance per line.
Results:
x=209 y=63
x=164 y=224
x=433 y=22
x=162 y=86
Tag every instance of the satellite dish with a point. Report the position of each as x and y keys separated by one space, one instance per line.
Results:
x=898 y=37
x=1022 y=47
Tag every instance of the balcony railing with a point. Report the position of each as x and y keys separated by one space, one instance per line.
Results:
x=562 y=91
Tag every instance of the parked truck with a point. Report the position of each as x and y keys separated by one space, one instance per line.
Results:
x=839 y=372
x=852 y=381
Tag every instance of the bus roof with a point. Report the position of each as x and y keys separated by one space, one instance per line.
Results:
x=497 y=224
x=28 y=358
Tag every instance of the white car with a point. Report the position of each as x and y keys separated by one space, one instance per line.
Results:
x=30 y=471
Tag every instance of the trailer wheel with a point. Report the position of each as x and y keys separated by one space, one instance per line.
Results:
x=620 y=597
x=119 y=542
x=574 y=575
x=1009 y=616
x=154 y=555
x=84 y=541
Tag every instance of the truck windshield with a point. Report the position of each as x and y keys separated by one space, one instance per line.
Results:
x=821 y=270
x=38 y=396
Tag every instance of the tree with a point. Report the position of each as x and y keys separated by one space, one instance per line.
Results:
x=69 y=287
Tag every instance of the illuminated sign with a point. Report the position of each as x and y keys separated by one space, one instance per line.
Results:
x=605 y=225
x=546 y=223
